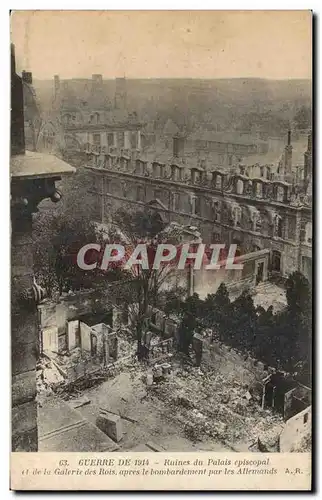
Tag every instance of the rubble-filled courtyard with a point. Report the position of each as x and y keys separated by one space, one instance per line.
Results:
x=217 y=395
x=188 y=408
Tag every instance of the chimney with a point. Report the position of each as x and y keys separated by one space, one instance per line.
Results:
x=308 y=160
x=309 y=143
x=56 y=85
x=27 y=77
x=17 y=133
x=288 y=156
x=120 y=93
x=289 y=138
x=178 y=146
x=97 y=83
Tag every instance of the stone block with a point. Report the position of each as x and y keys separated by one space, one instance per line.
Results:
x=24 y=418
x=24 y=357
x=149 y=379
x=26 y=442
x=113 y=345
x=111 y=425
x=23 y=387
x=166 y=367
x=24 y=328
x=154 y=447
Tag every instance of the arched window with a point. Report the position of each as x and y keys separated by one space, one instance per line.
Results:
x=95 y=118
x=97 y=139
x=276 y=261
x=124 y=189
x=308 y=232
x=140 y=193
x=66 y=118
x=93 y=345
x=110 y=139
x=257 y=222
x=237 y=216
x=216 y=211
x=175 y=201
x=259 y=189
x=175 y=173
x=218 y=181
x=237 y=242
x=139 y=167
x=280 y=193
x=278 y=226
x=240 y=186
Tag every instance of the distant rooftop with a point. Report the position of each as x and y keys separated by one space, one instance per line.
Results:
x=225 y=137
x=269 y=158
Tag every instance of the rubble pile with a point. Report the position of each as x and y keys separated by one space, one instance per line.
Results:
x=126 y=344
x=303 y=446
x=269 y=441
x=48 y=376
x=215 y=405
x=267 y=294
x=70 y=389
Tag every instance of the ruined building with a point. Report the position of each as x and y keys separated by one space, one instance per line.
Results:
x=81 y=114
x=232 y=187
x=256 y=212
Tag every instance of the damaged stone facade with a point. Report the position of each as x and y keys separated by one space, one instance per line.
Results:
x=296 y=435
x=254 y=213
x=81 y=117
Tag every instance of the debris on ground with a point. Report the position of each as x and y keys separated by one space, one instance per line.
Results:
x=78 y=403
x=204 y=405
x=268 y=294
x=215 y=405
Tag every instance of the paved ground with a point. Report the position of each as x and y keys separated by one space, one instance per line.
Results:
x=61 y=428
x=126 y=393
x=217 y=409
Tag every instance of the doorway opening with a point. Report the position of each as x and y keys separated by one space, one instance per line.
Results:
x=260 y=273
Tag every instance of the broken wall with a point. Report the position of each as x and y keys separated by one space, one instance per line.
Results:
x=218 y=356
x=296 y=400
x=72 y=331
x=207 y=281
x=63 y=316
x=85 y=334
x=295 y=431
x=50 y=339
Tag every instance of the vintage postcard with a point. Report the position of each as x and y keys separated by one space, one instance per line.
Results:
x=161 y=216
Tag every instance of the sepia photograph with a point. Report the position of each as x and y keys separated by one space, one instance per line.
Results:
x=161 y=182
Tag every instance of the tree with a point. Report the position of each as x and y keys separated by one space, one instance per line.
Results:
x=284 y=339
x=60 y=232
x=299 y=316
x=298 y=294
x=190 y=313
x=217 y=311
x=145 y=285
x=58 y=237
x=244 y=320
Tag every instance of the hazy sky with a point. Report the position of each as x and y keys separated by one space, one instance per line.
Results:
x=163 y=44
